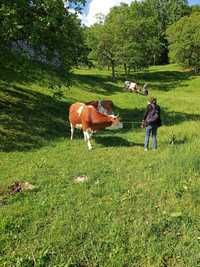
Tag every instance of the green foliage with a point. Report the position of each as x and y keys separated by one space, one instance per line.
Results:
x=165 y=13
x=141 y=37
x=93 y=40
x=125 y=39
x=184 y=39
x=169 y=11
x=134 y=36
x=195 y=8
x=45 y=25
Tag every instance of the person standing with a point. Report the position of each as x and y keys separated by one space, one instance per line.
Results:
x=145 y=90
x=151 y=122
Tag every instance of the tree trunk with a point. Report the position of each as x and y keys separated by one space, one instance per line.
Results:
x=113 y=70
x=125 y=71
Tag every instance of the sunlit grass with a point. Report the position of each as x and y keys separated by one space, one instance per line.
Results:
x=136 y=209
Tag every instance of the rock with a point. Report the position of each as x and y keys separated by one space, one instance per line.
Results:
x=81 y=179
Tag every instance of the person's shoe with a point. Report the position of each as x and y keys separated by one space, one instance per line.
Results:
x=145 y=149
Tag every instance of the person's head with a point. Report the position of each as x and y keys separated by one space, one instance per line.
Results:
x=152 y=100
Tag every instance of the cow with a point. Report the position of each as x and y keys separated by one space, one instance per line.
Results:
x=132 y=87
x=89 y=120
x=135 y=88
x=103 y=106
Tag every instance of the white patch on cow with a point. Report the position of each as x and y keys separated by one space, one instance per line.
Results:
x=79 y=111
x=78 y=126
x=72 y=130
x=112 y=116
x=126 y=83
x=87 y=138
x=115 y=126
x=132 y=86
x=101 y=109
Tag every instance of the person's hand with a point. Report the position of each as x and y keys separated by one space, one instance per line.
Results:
x=142 y=124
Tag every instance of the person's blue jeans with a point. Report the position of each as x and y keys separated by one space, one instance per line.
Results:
x=151 y=130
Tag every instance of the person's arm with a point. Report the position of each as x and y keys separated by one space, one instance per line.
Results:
x=143 y=124
x=146 y=113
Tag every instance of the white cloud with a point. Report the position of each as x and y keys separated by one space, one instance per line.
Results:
x=99 y=6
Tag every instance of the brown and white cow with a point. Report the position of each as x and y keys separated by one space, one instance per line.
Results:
x=132 y=87
x=103 y=106
x=87 y=118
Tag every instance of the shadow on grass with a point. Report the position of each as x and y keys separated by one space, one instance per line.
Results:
x=15 y=68
x=159 y=80
x=114 y=141
x=96 y=84
x=132 y=118
x=30 y=119
x=162 y=80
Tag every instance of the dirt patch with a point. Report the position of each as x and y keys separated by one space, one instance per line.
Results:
x=13 y=189
x=19 y=187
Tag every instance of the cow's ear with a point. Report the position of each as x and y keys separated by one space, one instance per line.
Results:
x=118 y=117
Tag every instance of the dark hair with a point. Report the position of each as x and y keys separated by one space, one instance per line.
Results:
x=152 y=100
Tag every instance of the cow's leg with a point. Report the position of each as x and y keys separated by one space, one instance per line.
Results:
x=87 y=135
x=72 y=130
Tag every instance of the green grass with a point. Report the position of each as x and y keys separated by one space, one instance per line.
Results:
x=136 y=209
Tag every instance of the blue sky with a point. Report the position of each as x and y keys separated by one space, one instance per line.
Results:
x=94 y=7
x=193 y=2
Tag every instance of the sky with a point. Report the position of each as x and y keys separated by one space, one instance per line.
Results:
x=94 y=7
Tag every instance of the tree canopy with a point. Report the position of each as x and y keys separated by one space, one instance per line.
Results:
x=134 y=36
x=46 y=25
x=184 y=39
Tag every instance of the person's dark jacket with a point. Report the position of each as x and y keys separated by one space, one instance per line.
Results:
x=152 y=116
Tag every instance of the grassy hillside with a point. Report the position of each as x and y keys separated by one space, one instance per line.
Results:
x=136 y=209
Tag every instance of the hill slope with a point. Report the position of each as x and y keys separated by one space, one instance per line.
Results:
x=136 y=209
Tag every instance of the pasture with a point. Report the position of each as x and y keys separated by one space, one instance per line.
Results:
x=136 y=209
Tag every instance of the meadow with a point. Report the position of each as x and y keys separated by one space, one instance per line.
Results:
x=136 y=209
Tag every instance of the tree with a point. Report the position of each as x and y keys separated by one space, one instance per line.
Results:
x=166 y=12
x=93 y=39
x=195 y=8
x=184 y=40
x=141 y=41
x=46 y=25
x=135 y=36
x=125 y=39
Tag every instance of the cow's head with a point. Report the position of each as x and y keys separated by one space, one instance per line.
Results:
x=116 y=123
x=126 y=85
x=106 y=107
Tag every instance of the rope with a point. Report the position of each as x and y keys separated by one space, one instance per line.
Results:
x=133 y=122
